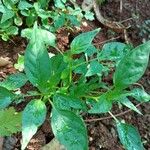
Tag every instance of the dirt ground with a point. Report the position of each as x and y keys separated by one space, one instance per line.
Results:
x=102 y=134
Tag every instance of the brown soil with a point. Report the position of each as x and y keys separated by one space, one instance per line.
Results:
x=102 y=134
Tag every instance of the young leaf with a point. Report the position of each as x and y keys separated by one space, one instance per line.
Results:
x=7 y=14
x=131 y=68
x=14 y=81
x=6 y=97
x=37 y=61
x=43 y=3
x=67 y=102
x=125 y=101
x=102 y=105
x=69 y=129
x=83 y=41
x=129 y=137
x=20 y=63
x=10 y=122
x=139 y=94
x=113 y=51
x=60 y=3
x=24 y=5
x=47 y=37
x=94 y=68
x=34 y=115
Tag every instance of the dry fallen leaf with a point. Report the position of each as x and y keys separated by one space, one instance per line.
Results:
x=4 y=61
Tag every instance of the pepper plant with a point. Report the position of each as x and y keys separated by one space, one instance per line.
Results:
x=72 y=83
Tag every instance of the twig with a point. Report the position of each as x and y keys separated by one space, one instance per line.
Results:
x=114 y=38
x=110 y=117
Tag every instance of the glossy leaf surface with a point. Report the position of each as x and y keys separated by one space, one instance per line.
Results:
x=34 y=115
x=69 y=129
x=129 y=137
x=132 y=66
x=83 y=41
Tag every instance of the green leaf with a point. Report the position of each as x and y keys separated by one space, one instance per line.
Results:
x=58 y=67
x=47 y=37
x=14 y=81
x=94 y=68
x=69 y=129
x=37 y=61
x=139 y=94
x=125 y=101
x=10 y=4
x=10 y=122
x=59 y=21
x=91 y=50
x=6 y=97
x=66 y=102
x=12 y=30
x=7 y=14
x=102 y=105
x=89 y=15
x=131 y=68
x=43 y=3
x=80 y=66
x=34 y=115
x=20 y=63
x=83 y=41
x=113 y=51
x=60 y=3
x=73 y=20
x=23 y=4
x=18 y=21
x=129 y=137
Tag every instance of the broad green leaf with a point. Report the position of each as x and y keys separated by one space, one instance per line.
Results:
x=102 y=105
x=65 y=102
x=37 y=61
x=58 y=67
x=80 y=66
x=129 y=137
x=6 y=24
x=14 y=81
x=47 y=37
x=83 y=41
x=23 y=4
x=31 y=18
x=125 y=101
x=91 y=50
x=33 y=115
x=7 y=14
x=89 y=15
x=12 y=30
x=6 y=97
x=131 y=68
x=94 y=68
x=10 y=122
x=43 y=3
x=69 y=129
x=73 y=20
x=10 y=4
x=139 y=95
x=59 y=21
x=60 y=3
x=113 y=51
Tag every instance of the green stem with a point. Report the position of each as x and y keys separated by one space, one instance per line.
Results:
x=113 y=117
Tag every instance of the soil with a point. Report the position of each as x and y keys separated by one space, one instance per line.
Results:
x=102 y=134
